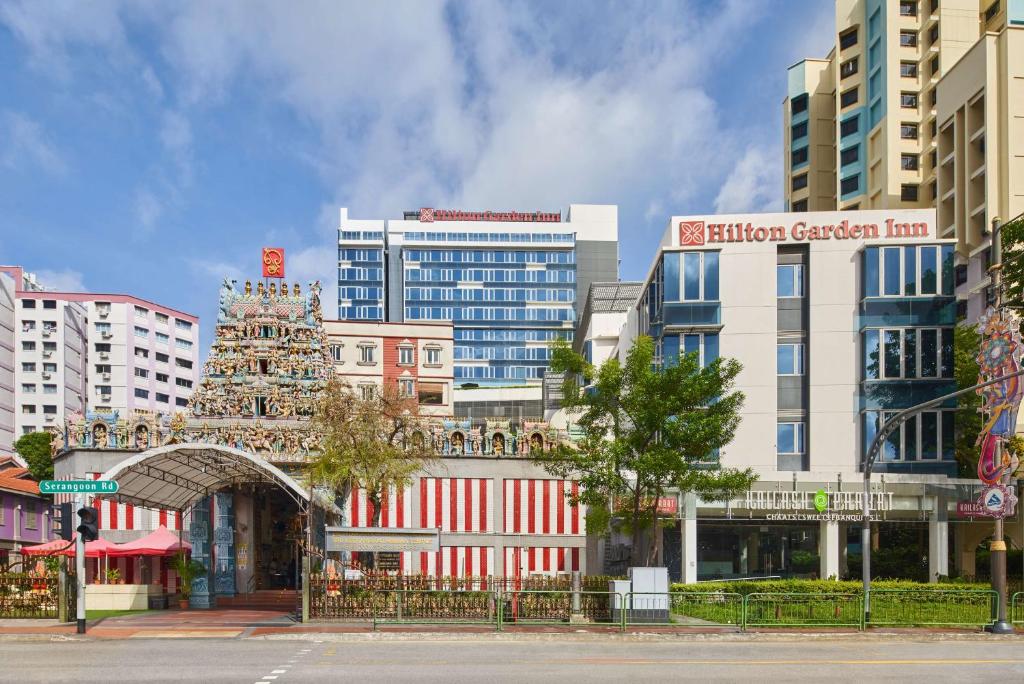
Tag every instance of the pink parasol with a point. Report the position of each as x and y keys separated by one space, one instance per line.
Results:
x=160 y=542
x=94 y=549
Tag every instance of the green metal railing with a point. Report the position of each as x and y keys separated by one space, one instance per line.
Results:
x=933 y=607
x=422 y=607
x=803 y=610
x=1017 y=608
x=682 y=609
x=538 y=607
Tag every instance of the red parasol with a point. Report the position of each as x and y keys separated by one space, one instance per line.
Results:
x=160 y=542
x=94 y=549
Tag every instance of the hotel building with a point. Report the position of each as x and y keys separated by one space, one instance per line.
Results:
x=509 y=282
x=858 y=325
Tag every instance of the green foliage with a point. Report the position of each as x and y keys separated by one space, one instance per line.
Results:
x=967 y=420
x=35 y=449
x=646 y=430
x=804 y=561
x=1012 y=238
x=819 y=586
x=187 y=571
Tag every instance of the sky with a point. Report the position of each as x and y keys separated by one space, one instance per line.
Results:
x=153 y=148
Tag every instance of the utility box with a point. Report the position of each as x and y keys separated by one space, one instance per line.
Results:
x=618 y=591
x=649 y=598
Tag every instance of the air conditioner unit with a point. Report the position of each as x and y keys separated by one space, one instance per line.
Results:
x=107 y=335
x=104 y=355
x=50 y=417
x=47 y=332
x=106 y=377
x=104 y=397
x=47 y=353
x=103 y=313
x=47 y=375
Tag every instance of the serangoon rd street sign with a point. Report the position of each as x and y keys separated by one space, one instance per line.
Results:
x=78 y=487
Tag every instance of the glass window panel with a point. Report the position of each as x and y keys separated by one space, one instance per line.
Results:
x=929 y=353
x=691 y=276
x=929 y=270
x=891 y=448
x=892 y=353
x=798 y=280
x=784 y=281
x=948 y=436
x=871 y=355
x=786 y=438
x=910 y=440
x=947 y=352
x=910 y=353
x=909 y=270
x=929 y=435
x=871 y=272
x=691 y=344
x=891 y=270
x=784 y=359
x=947 y=269
x=710 y=348
x=710 y=276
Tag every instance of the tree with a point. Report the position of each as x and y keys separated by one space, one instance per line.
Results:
x=967 y=420
x=35 y=449
x=645 y=430
x=1012 y=238
x=375 y=444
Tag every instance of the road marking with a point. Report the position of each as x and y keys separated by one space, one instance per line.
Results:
x=639 y=661
x=278 y=671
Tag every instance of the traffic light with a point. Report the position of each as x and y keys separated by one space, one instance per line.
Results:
x=65 y=524
x=89 y=527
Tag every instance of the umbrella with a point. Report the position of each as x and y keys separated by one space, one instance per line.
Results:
x=159 y=542
x=94 y=549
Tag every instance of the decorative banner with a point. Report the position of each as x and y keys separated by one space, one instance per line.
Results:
x=273 y=262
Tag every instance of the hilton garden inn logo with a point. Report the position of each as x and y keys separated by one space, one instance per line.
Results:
x=698 y=233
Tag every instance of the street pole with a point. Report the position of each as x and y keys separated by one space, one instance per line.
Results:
x=997 y=548
x=80 y=572
x=865 y=546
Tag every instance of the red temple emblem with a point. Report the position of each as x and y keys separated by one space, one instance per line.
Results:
x=691 y=233
x=273 y=262
x=426 y=215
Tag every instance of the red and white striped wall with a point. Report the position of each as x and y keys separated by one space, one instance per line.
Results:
x=457 y=504
x=541 y=507
x=539 y=560
x=121 y=516
x=396 y=509
x=451 y=561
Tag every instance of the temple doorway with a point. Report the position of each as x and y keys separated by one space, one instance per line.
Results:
x=277 y=539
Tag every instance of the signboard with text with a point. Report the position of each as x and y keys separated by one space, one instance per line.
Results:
x=78 y=487
x=382 y=539
x=800 y=227
x=429 y=215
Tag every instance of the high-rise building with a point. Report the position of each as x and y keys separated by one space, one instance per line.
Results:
x=71 y=352
x=882 y=79
x=509 y=282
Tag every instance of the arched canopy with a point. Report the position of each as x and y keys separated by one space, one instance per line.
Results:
x=177 y=475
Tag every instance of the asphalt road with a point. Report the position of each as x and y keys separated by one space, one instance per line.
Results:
x=488 y=661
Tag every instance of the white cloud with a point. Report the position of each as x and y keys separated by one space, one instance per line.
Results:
x=25 y=144
x=755 y=184
x=61 y=281
x=148 y=210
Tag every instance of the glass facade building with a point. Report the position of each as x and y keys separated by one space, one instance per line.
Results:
x=509 y=288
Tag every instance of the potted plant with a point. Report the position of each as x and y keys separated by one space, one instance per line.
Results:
x=187 y=570
x=113 y=576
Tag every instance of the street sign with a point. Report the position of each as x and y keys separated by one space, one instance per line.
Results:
x=78 y=487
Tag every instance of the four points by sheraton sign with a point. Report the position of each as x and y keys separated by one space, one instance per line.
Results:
x=693 y=233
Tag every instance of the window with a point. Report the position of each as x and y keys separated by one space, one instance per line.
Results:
x=141 y=332
x=49 y=304
x=927 y=436
x=932 y=128
x=102 y=347
x=848 y=68
x=141 y=312
x=850 y=184
x=28 y=303
x=406 y=387
x=992 y=11
x=908 y=69
x=163 y=338
x=28 y=388
x=28 y=346
x=798 y=157
x=799 y=131
x=366 y=354
x=49 y=389
x=908 y=353
x=908 y=193
x=31 y=517
x=49 y=368
x=933 y=66
x=431 y=393
x=162 y=358
x=336 y=352
x=908 y=38
x=800 y=205
x=849 y=97
x=49 y=409
x=433 y=356
x=141 y=393
x=789 y=358
x=848 y=39
x=103 y=328
x=182 y=344
x=162 y=398
x=790 y=438
x=182 y=325
x=908 y=131
x=908 y=100
x=28 y=368
x=49 y=346
x=849 y=155
x=183 y=363
x=789 y=280
x=141 y=353
x=141 y=373
x=102 y=368
x=28 y=408
x=908 y=8
x=162 y=318
x=700 y=276
x=909 y=162
x=849 y=126
x=181 y=401
x=798 y=104
x=28 y=326
x=162 y=377
x=182 y=382
x=27 y=429
x=933 y=157
x=366 y=391
x=799 y=182
x=405 y=356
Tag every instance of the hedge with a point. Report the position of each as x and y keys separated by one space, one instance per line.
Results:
x=807 y=586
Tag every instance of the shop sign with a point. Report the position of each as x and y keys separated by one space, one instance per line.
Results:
x=381 y=539
x=667 y=505
x=697 y=233
x=996 y=501
x=819 y=501
x=428 y=215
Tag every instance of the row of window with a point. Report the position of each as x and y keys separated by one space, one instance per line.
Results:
x=30 y=388
x=140 y=393
x=906 y=353
x=703 y=345
x=486 y=313
x=30 y=367
x=31 y=304
x=489 y=275
x=27 y=345
x=929 y=436
x=514 y=335
x=491 y=294
x=908 y=271
x=406 y=354
x=48 y=409
x=469 y=373
x=365 y=293
x=496 y=256
x=161 y=318
x=486 y=353
x=361 y=255
x=29 y=326
x=362 y=235
x=361 y=313
x=490 y=237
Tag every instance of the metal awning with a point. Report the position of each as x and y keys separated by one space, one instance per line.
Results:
x=177 y=475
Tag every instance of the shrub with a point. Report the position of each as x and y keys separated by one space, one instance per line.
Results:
x=806 y=586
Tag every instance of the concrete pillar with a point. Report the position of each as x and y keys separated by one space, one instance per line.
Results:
x=938 y=540
x=754 y=552
x=688 y=530
x=844 y=562
x=744 y=550
x=828 y=548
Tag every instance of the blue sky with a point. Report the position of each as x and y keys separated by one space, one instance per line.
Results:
x=153 y=148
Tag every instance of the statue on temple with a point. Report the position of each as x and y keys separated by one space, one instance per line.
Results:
x=273 y=290
x=296 y=292
x=259 y=289
x=248 y=288
x=227 y=293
